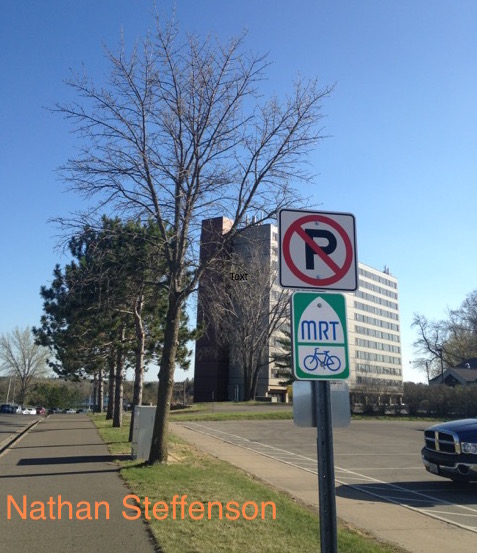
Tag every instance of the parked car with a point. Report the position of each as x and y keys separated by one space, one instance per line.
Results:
x=83 y=410
x=29 y=411
x=40 y=411
x=70 y=411
x=53 y=410
x=8 y=408
x=450 y=450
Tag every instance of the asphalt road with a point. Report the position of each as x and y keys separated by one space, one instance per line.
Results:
x=380 y=458
x=10 y=424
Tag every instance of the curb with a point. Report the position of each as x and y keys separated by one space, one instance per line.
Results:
x=8 y=442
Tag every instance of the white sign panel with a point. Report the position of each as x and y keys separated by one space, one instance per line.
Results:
x=318 y=250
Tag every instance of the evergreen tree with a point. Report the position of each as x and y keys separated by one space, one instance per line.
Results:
x=283 y=359
x=105 y=310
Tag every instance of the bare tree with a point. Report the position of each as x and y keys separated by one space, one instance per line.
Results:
x=179 y=134
x=462 y=325
x=450 y=341
x=22 y=358
x=431 y=344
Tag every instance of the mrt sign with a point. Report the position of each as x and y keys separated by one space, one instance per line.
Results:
x=319 y=336
x=317 y=250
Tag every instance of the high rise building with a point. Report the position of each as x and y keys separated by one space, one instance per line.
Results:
x=373 y=329
x=211 y=356
x=219 y=366
x=374 y=337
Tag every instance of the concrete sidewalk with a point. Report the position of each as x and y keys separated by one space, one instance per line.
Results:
x=63 y=455
x=409 y=529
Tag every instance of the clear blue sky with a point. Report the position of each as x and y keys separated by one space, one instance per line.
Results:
x=402 y=126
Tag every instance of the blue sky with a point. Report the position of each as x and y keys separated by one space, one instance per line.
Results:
x=402 y=127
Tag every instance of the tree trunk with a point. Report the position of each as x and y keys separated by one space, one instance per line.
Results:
x=139 y=368
x=253 y=388
x=118 y=392
x=100 y=391
x=23 y=389
x=95 y=393
x=159 y=445
x=248 y=375
x=109 y=413
x=246 y=386
x=258 y=364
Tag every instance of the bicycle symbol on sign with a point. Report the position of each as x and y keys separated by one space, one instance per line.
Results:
x=324 y=359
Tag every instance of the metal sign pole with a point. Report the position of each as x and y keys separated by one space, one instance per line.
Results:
x=326 y=473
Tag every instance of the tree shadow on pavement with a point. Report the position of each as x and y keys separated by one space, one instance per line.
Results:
x=78 y=459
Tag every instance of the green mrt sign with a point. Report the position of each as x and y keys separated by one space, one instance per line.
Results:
x=319 y=336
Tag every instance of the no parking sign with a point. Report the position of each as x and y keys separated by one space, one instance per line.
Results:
x=318 y=250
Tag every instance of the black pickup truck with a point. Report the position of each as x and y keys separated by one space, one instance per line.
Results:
x=451 y=450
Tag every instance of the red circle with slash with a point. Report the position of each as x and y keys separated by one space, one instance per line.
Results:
x=339 y=272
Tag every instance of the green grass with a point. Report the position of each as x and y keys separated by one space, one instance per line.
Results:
x=204 y=478
x=230 y=404
x=179 y=416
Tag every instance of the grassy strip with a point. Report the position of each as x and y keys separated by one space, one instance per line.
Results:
x=207 y=406
x=205 y=479
x=179 y=416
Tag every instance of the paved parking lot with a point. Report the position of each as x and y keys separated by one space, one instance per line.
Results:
x=379 y=458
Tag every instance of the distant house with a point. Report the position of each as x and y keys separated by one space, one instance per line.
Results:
x=463 y=374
